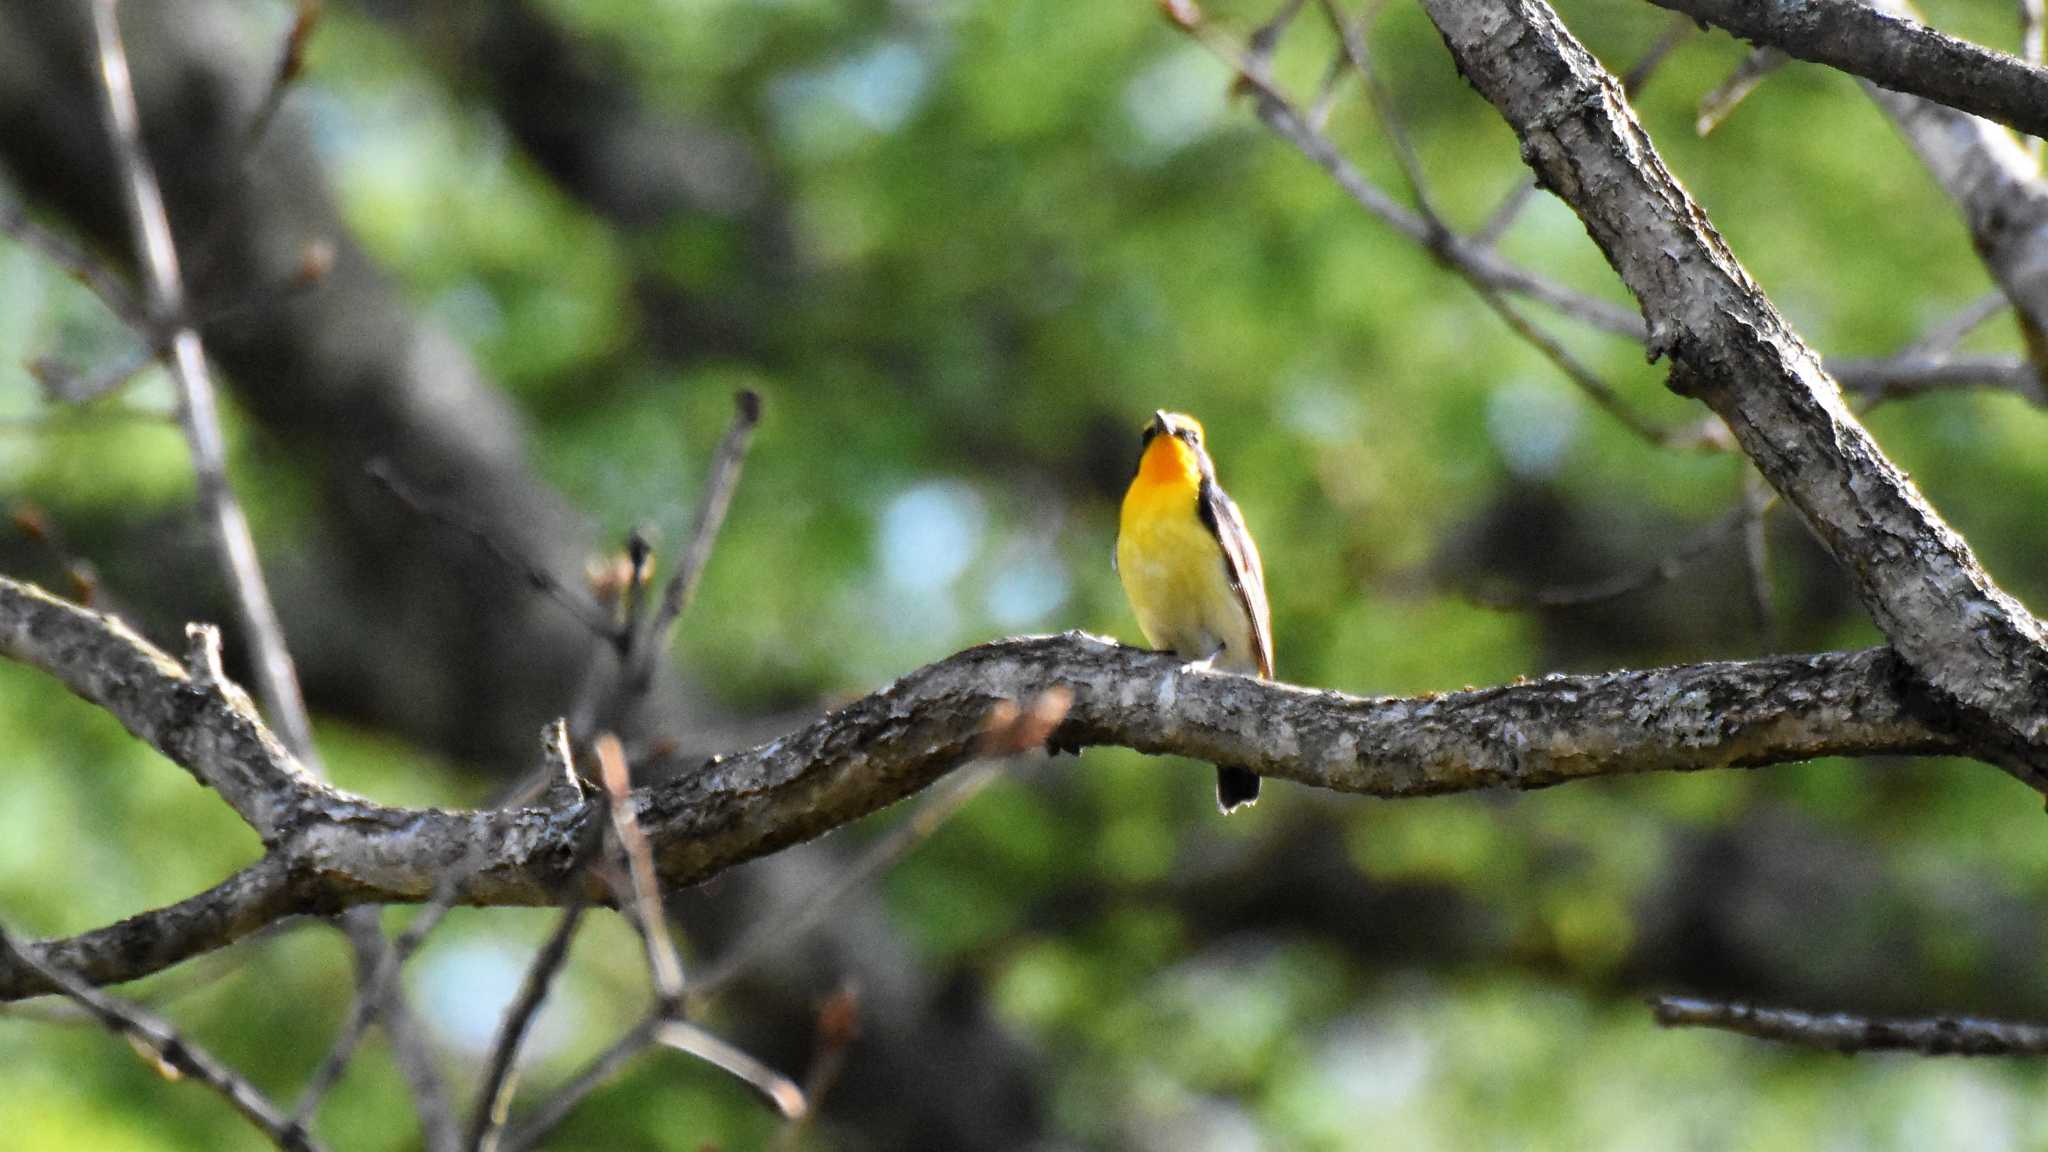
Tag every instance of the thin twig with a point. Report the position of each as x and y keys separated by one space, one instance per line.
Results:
x=663 y=964
x=587 y=612
x=1009 y=732
x=291 y=61
x=838 y=1028
x=779 y=928
x=712 y=505
x=1666 y=569
x=494 y=1098
x=110 y=286
x=276 y=679
x=1265 y=39
x=1718 y=104
x=1352 y=35
x=1757 y=498
x=1280 y=114
x=1942 y=339
x=1843 y=1032
x=1449 y=250
x=1905 y=377
x=1599 y=391
x=63 y=384
x=774 y=1087
x=173 y=1054
x=158 y=255
x=369 y=1000
x=588 y=1079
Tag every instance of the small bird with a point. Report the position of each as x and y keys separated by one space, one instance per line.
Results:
x=1191 y=571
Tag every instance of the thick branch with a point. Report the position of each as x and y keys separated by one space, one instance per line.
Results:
x=209 y=730
x=1889 y=50
x=1995 y=183
x=336 y=850
x=1977 y=647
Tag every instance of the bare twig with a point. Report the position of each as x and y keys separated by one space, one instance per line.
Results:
x=1906 y=377
x=276 y=678
x=290 y=62
x=1721 y=101
x=1842 y=1032
x=157 y=252
x=1438 y=238
x=785 y=925
x=65 y=385
x=1757 y=499
x=663 y=964
x=588 y=1079
x=1352 y=35
x=494 y=1098
x=173 y=1054
x=369 y=1003
x=1898 y=53
x=1648 y=576
x=777 y=1089
x=1279 y=113
x=1942 y=339
x=1010 y=732
x=838 y=1028
x=110 y=286
x=696 y=553
x=572 y=600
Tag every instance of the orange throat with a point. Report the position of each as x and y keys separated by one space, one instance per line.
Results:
x=1167 y=464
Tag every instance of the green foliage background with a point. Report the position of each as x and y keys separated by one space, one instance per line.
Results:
x=1016 y=229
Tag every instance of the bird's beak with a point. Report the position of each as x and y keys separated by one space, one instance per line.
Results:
x=1159 y=420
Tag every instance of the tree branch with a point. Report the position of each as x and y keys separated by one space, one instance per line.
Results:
x=1890 y=50
x=332 y=850
x=198 y=405
x=1978 y=648
x=1842 y=1032
x=208 y=729
x=174 y=1054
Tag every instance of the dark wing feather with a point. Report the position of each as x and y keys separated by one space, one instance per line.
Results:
x=1241 y=557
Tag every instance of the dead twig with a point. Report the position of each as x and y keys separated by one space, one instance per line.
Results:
x=712 y=505
x=494 y=1098
x=1648 y=576
x=171 y=1053
x=579 y=605
x=663 y=964
x=1847 y=1033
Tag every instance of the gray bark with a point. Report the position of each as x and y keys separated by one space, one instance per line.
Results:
x=1891 y=49
x=1977 y=648
x=329 y=849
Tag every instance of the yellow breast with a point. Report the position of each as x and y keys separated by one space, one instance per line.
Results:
x=1175 y=575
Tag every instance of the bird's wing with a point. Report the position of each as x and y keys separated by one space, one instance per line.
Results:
x=1241 y=559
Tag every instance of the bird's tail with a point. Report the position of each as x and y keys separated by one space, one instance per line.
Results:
x=1235 y=788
